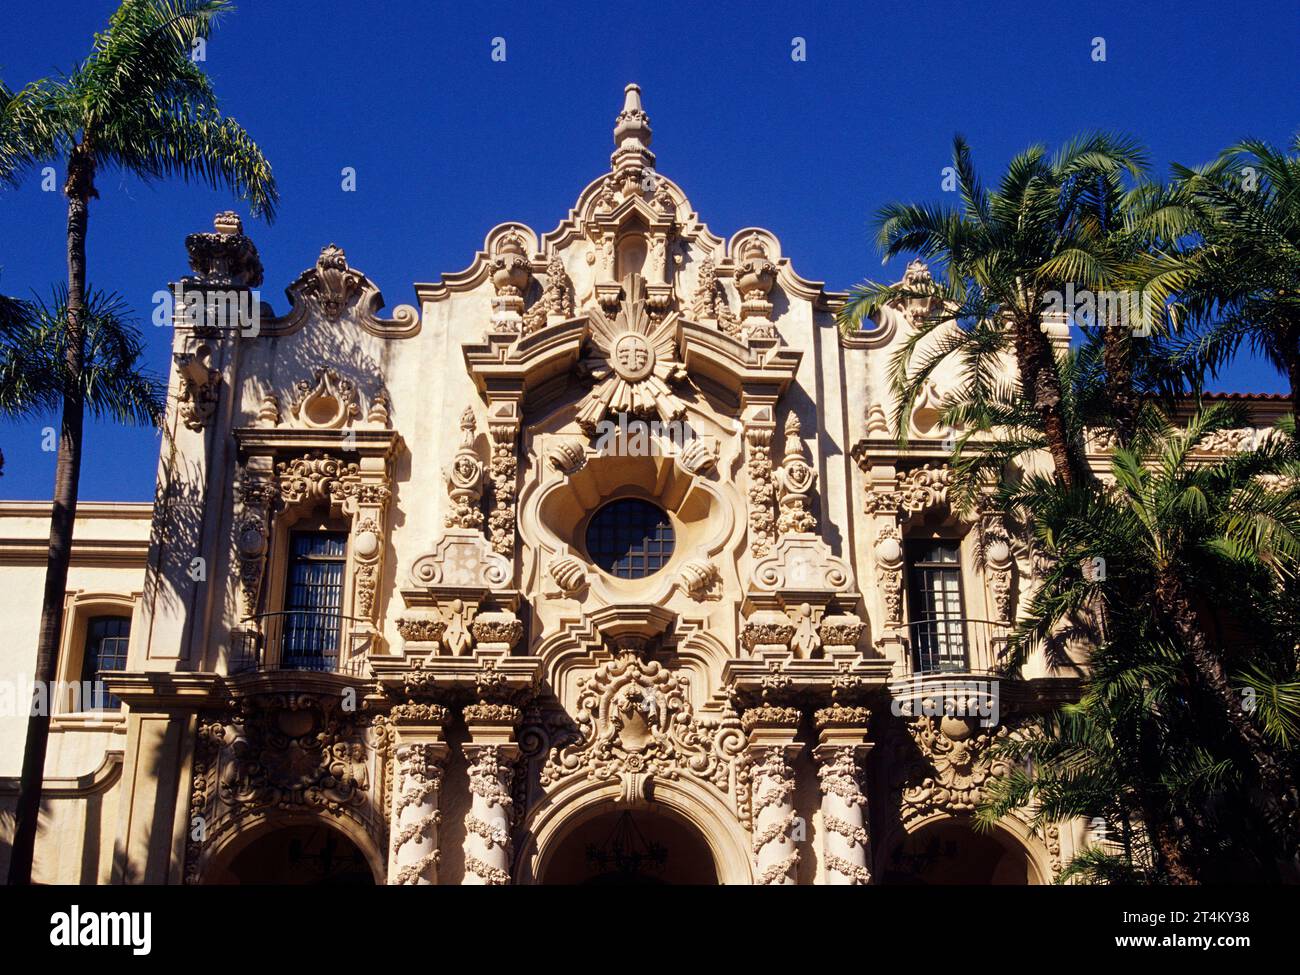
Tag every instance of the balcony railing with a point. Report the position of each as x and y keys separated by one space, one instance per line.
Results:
x=297 y=640
x=949 y=645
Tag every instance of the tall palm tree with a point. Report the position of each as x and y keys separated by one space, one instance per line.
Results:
x=138 y=103
x=1006 y=257
x=1216 y=542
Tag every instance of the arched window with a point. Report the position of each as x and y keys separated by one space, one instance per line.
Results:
x=630 y=538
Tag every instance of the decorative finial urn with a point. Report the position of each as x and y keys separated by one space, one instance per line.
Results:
x=632 y=155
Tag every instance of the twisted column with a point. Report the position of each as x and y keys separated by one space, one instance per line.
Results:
x=417 y=780
x=413 y=848
x=772 y=748
x=491 y=755
x=845 y=842
x=487 y=826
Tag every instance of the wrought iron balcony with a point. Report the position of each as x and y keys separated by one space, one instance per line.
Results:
x=298 y=640
x=948 y=645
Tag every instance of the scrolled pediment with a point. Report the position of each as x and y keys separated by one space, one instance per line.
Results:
x=335 y=291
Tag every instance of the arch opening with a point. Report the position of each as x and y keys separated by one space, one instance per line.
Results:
x=302 y=854
x=629 y=847
x=950 y=852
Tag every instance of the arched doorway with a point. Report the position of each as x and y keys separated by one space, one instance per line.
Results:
x=950 y=851
x=620 y=846
x=298 y=855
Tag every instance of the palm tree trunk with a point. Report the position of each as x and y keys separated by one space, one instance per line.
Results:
x=1042 y=384
x=1281 y=800
x=67 y=472
x=1119 y=372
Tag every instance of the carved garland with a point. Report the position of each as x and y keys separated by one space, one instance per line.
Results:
x=762 y=491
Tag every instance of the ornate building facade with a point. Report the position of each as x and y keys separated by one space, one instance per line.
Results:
x=600 y=565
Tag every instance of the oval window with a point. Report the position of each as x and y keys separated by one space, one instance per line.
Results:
x=630 y=538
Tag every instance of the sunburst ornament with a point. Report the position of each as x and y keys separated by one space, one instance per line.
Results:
x=634 y=362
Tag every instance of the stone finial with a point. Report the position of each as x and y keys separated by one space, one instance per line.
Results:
x=632 y=124
x=755 y=277
x=632 y=155
x=228 y=222
x=511 y=274
x=224 y=257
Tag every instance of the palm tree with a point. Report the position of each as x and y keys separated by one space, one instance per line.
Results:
x=138 y=103
x=1236 y=279
x=115 y=385
x=1216 y=542
x=1006 y=256
x=1115 y=758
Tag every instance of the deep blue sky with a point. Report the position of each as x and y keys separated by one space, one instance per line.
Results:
x=447 y=143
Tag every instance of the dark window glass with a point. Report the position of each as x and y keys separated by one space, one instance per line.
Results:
x=106 y=640
x=313 y=601
x=630 y=538
x=935 y=605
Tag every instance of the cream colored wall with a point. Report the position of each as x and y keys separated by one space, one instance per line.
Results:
x=80 y=807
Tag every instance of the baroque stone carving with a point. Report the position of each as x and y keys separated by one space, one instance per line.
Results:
x=801 y=562
x=922 y=488
x=889 y=572
x=843 y=815
x=709 y=302
x=998 y=562
x=496 y=630
x=766 y=630
x=461 y=558
x=635 y=723
x=332 y=289
x=415 y=814
x=952 y=767
x=633 y=363
x=755 y=277
x=465 y=479
x=316 y=476
x=301 y=752
x=511 y=275
x=700 y=578
x=775 y=853
x=841 y=631
x=567 y=456
x=200 y=385
x=256 y=497
x=487 y=825
x=556 y=302
x=697 y=457
x=326 y=402
x=504 y=473
x=420 y=629
x=795 y=482
x=568 y=573
x=762 y=490
x=224 y=258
